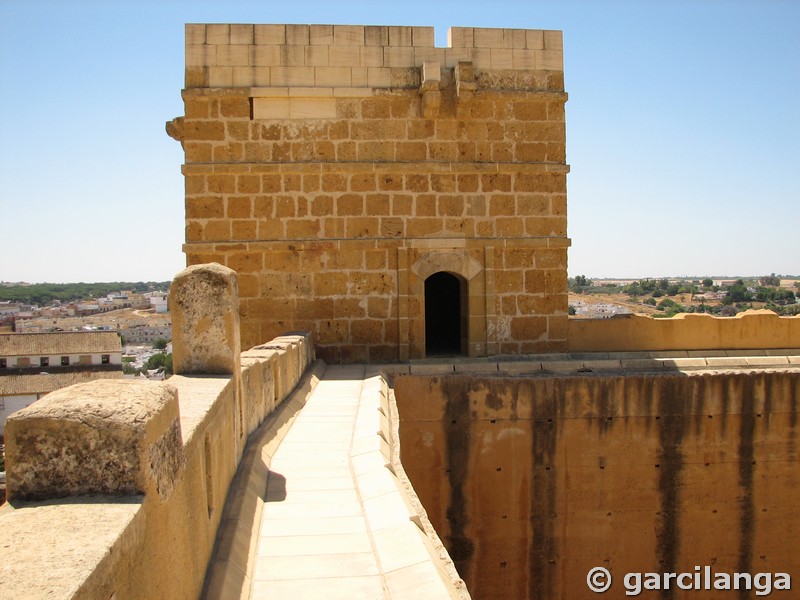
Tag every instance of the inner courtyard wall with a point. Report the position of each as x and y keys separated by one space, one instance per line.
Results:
x=532 y=481
x=334 y=168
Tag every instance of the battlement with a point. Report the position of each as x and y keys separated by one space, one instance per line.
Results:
x=222 y=55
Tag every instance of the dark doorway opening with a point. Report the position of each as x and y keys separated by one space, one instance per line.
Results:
x=444 y=315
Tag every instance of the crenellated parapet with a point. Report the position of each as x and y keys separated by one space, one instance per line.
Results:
x=358 y=56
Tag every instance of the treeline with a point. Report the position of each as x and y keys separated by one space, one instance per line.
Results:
x=659 y=293
x=43 y=294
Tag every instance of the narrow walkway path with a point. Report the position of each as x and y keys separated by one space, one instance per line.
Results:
x=314 y=541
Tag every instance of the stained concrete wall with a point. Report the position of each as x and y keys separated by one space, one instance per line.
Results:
x=747 y=330
x=531 y=482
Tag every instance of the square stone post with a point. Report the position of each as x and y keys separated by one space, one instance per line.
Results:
x=204 y=304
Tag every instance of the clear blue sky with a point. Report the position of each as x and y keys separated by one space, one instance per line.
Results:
x=683 y=129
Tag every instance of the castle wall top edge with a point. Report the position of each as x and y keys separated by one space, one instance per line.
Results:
x=369 y=46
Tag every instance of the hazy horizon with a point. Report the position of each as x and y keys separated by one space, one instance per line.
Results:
x=593 y=278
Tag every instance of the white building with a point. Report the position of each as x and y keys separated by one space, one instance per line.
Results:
x=146 y=334
x=34 y=364
x=601 y=310
x=159 y=301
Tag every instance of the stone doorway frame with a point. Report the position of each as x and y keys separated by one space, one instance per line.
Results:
x=415 y=264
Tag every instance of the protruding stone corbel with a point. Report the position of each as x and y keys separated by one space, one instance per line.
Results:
x=464 y=73
x=175 y=129
x=431 y=82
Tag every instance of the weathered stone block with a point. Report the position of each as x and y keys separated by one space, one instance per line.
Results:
x=101 y=437
x=217 y=230
x=204 y=301
x=204 y=207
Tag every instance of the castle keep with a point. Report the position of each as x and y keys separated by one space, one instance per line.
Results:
x=396 y=199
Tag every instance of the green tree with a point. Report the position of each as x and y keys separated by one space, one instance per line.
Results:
x=579 y=284
x=647 y=285
x=738 y=292
x=667 y=303
x=708 y=282
x=156 y=361
x=161 y=361
x=633 y=289
x=160 y=344
x=770 y=280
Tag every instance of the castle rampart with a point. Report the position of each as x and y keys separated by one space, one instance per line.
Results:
x=116 y=489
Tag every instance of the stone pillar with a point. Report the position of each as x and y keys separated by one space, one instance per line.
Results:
x=204 y=304
x=100 y=437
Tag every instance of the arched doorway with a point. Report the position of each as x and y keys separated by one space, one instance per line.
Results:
x=445 y=315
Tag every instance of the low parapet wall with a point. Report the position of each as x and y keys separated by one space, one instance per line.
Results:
x=753 y=329
x=116 y=488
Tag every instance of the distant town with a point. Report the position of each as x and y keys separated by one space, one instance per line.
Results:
x=667 y=297
x=138 y=312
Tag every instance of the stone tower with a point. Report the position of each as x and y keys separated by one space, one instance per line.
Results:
x=397 y=199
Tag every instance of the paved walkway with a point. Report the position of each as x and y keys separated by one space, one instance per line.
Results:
x=334 y=524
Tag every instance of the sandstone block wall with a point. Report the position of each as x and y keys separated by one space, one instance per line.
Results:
x=532 y=482
x=335 y=168
x=750 y=329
